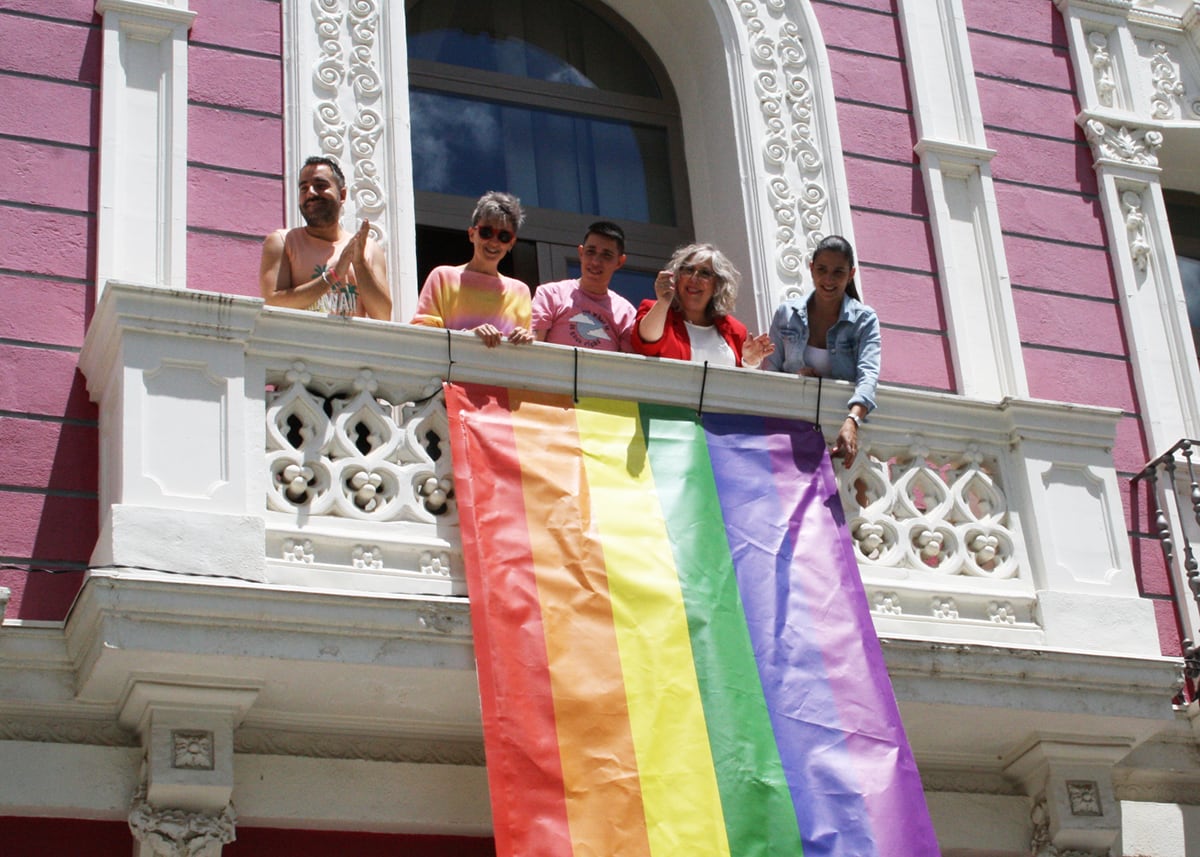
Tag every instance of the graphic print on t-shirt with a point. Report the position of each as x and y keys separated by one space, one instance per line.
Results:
x=587 y=329
x=341 y=299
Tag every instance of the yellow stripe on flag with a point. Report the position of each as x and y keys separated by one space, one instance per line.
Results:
x=678 y=778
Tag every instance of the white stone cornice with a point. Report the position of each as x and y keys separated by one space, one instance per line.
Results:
x=954 y=149
x=1108 y=7
x=174 y=13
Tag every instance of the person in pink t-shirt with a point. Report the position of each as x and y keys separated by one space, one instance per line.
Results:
x=476 y=296
x=583 y=312
x=321 y=266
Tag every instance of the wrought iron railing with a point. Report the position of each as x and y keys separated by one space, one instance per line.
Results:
x=1176 y=522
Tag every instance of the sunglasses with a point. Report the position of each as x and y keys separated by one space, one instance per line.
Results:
x=487 y=233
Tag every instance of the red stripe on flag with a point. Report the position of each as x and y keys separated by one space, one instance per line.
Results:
x=503 y=591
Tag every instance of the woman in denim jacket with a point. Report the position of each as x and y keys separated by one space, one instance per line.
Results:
x=833 y=334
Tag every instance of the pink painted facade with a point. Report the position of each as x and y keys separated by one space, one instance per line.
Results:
x=1072 y=326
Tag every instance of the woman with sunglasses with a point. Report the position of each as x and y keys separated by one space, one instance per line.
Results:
x=476 y=296
x=690 y=319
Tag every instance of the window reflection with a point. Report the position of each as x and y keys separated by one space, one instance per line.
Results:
x=540 y=39
x=466 y=146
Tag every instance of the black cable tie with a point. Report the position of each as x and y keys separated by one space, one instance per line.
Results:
x=703 y=383
x=575 y=381
x=817 y=418
x=449 y=356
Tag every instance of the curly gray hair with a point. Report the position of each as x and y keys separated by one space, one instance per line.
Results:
x=725 y=286
x=496 y=206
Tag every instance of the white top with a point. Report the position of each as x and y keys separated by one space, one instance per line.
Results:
x=708 y=344
x=817 y=358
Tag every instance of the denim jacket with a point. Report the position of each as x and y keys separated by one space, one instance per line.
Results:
x=853 y=343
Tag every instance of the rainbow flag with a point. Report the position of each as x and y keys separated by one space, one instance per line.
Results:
x=675 y=652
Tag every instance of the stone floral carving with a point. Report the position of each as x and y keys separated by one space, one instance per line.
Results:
x=946 y=514
x=1136 y=146
x=367 y=556
x=436 y=564
x=1002 y=612
x=293 y=549
x=944 y=608
x=177 y=833
x=1084 y=796
x=888 y=603
x=354 y=450
x=1168 y=88
x=1102 y=67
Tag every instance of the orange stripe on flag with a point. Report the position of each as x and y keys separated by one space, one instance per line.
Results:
x=600 y=777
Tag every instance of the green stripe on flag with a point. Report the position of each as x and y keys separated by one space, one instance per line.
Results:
x=759 y=816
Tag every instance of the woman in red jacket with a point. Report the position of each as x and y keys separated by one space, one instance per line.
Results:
x=690 y=320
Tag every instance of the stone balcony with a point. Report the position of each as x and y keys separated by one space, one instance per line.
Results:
x=279 y=523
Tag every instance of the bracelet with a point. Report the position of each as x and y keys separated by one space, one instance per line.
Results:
x=857 y=419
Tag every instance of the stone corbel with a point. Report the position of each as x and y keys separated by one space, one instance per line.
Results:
x=183 y=807
x=1123 y=144
x=1075 y=810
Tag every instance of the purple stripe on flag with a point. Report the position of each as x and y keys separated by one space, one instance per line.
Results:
x=787 y=634
x=825 y=570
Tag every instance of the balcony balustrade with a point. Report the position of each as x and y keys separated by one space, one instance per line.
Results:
x=317 y=448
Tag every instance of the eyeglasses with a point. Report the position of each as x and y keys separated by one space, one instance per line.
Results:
x=705 y=274
x=487 y=233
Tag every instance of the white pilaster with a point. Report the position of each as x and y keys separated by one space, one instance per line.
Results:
x=955 y=163
x=1124 y=117
x=345 y=95
x=142 y=219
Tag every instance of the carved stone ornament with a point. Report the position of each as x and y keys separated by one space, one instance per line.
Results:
x=1168 y=88
x=790 y=148
x=1041 y=845
x=347 y=82
x=1134 y=146
x=944 y=513
x=353 y=449
x=1085 y=798
x=1106 y=85
x=1135 y=228
x=192 y=751
x=176 y=833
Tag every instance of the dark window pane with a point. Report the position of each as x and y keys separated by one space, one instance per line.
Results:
x=466 y=146
x=633 y=285
x=1189 y=272
x=550 y=40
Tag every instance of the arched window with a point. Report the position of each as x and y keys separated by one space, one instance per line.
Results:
x=559 y=103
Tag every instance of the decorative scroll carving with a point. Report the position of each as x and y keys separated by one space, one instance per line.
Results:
x=1137 y=146
x=945 y=514
x=790 y=148
x=346 y=75
x=177 y=833
x=1135 y=228
x=1106 y=85
x=354 y=450
x=1168 y=88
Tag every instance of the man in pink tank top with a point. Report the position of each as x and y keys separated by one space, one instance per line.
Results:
x=320 y=266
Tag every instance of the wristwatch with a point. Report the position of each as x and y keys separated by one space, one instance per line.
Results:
x=857 y=419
